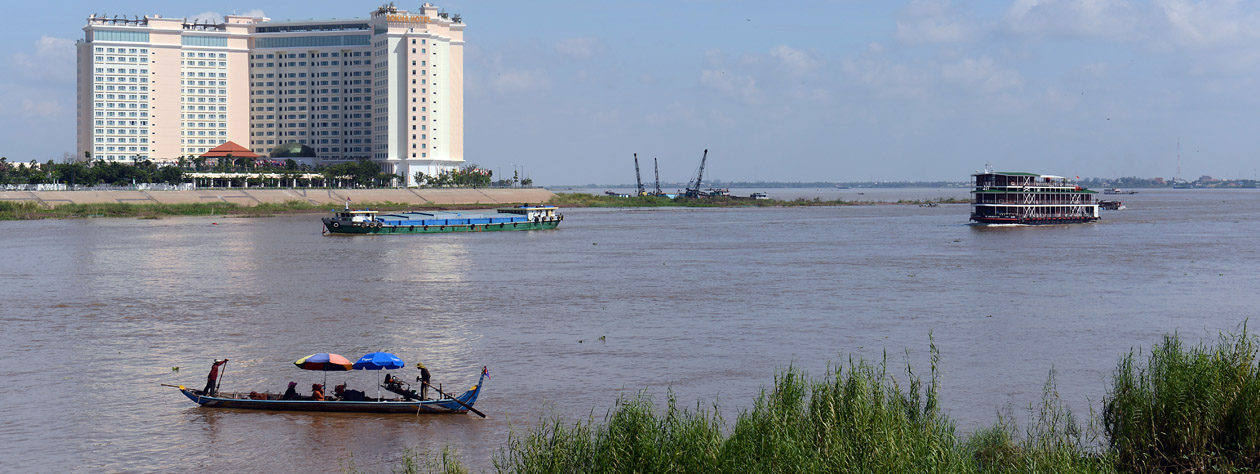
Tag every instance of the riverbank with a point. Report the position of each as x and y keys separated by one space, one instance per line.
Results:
x=1182 y=409
x=246 y=197
x=28 y=205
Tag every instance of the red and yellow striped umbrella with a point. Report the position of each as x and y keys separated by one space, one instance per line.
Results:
x=325 y=362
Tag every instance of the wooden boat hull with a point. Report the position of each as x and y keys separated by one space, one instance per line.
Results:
x=441 y=406
x=335 y=227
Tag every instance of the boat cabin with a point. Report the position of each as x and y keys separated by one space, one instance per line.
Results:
x=357 y=216
x=532 y=212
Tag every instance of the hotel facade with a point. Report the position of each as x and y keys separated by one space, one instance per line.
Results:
x=388 y=88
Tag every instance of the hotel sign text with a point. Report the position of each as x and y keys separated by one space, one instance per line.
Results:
x=407 y=18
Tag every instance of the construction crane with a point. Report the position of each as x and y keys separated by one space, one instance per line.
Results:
x=637 y=180
x=657 y=167
x=693 y=188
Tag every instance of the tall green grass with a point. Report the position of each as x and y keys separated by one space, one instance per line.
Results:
x=1193 y=409
x=856 y=419
x=1188 y=410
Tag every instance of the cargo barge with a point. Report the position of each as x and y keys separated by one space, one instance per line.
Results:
x=1030 y=199
x=424 y=222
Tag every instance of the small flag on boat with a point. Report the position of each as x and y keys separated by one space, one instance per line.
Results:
x=485 y=371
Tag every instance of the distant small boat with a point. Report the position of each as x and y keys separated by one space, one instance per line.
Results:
x=1117 y=191
x=759 y=196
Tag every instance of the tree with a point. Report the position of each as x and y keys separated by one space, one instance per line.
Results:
x=170 y=175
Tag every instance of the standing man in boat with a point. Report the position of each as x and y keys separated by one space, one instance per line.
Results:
x=213 y=377
x=424 y=381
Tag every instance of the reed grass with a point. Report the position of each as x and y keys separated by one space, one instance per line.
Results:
x=1189 y=409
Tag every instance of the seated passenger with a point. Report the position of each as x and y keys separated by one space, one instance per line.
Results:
x=340 y=392
x=317 y=392
x=291 y=393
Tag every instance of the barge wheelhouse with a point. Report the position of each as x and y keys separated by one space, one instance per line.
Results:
x=1030 y=198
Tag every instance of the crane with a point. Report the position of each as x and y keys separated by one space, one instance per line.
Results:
x=657 y=166
x=693 y=188
x=637 y=180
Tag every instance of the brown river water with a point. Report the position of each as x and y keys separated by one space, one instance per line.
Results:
x=708 y=303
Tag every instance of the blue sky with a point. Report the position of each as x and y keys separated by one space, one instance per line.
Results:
x=842 y=90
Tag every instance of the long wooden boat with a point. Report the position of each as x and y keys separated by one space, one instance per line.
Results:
x=416 y=222
x=459 y=404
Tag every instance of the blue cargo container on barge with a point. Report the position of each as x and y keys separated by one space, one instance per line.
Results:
x=428 y=222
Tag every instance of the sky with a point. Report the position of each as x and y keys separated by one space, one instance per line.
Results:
x=797 y=91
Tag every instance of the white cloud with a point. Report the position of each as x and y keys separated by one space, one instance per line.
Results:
x=1111 y=19
x=713 y=58
x=794 y=60
x=255 y=13
x=579 y=48
x=982 y=74
x=887 y=79
x=931 y=21
x=1061 y=100
x=875 y=48
x=731 y=83
x=41 y=109
x=519 y=81
x=1196 y=24
x=53 y=60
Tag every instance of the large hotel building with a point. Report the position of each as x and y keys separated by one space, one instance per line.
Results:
x=388 y=88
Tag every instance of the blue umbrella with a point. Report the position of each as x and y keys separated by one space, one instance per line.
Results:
x=378 y=361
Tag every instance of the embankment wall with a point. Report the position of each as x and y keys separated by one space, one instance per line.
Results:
x=250 y=197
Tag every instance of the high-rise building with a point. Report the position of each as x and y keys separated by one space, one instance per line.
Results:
x=388 y=88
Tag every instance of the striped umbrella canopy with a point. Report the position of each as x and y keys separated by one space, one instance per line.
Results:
x=325 y=362
x=379 y=361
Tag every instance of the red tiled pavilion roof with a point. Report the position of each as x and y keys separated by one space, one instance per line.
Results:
x=229 y=148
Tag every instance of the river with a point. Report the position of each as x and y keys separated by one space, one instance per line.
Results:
x=708 y=303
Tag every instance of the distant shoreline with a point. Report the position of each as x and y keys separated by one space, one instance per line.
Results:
x=35 y=205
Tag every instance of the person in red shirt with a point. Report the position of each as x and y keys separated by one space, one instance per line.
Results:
x=212 y=378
